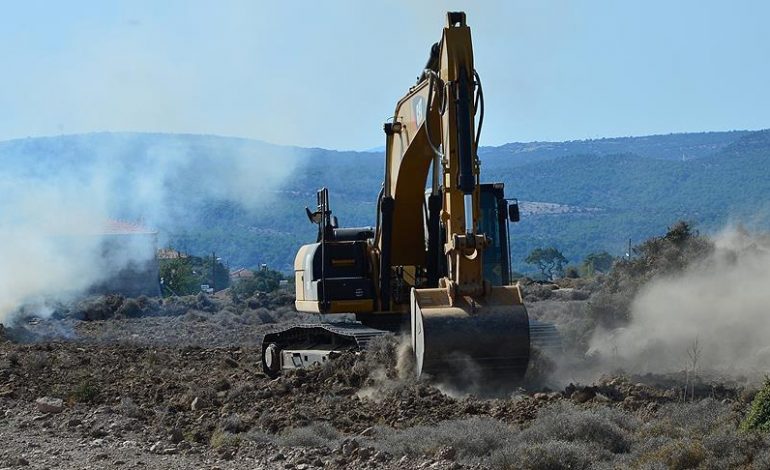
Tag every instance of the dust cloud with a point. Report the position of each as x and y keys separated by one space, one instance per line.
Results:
x=712 y=317
x=55 y=204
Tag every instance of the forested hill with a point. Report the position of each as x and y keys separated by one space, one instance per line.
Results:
x=245 y=199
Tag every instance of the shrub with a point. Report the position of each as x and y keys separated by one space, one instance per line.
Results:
x=549 y=455
x=681 y=454
x=758 y=417
x=700 y=418
x=233 y=424
x=85 y=392
x=129 y=408
x=259 y=437
x=319 y=434
x=606 y=427
x=221 y=439
x=130 y=309
x=472 y=438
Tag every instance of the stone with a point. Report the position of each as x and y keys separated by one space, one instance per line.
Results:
x=446 y=453
x=49 y=405
x=583 y=395
x=348 y=447
x=19 y=462
x=97 y=442
x=600 y=398
x=176 y=436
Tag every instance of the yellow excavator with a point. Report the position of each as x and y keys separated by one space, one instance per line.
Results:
x=436 y=264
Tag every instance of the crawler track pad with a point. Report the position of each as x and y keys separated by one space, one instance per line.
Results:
x=473 y=342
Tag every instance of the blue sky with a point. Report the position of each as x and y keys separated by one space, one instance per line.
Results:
x=328 y=73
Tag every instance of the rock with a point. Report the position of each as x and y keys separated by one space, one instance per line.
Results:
x=599 y=398
x=97 y=442
x=349 y=446
x=49 y=405
x=156 y=448
x=19 y=462
x=277 y=457
x=176 y=436
x=540 y=396
x=74 y=422
x=583 y=395
x=446 y=453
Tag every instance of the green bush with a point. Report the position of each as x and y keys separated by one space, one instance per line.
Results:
x=262 y=282
x=758 y=418
x=85 y=392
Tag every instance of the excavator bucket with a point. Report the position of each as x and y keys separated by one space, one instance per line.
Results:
x=470 y=342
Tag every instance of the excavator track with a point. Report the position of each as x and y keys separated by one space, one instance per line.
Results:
x=308 y=344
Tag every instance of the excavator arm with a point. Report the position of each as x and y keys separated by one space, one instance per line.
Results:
x=459 y=321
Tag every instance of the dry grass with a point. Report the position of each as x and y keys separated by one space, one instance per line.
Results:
x=472 y=438
x=318 y=434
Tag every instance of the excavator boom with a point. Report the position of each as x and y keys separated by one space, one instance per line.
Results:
x=436 y=263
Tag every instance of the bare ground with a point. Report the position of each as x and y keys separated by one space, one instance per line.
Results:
x=185 y=391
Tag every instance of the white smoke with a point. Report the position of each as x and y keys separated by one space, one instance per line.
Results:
x=54 y=207
x=714 y=316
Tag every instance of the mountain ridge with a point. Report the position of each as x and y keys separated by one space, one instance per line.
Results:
x=630 y=194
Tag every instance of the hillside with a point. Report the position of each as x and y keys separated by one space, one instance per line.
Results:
x=245 y=199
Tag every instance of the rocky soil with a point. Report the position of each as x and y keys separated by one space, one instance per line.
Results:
x=184 y=390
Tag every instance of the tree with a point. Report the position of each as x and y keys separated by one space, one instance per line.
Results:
x=549 y=260
x=177 y=277
x=185 y=275
x=265 y=280
x=221 y=275
x=597 y=263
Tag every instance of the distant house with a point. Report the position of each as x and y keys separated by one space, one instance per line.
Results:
x=170 y=253
x=131 y=263
x=241 y=274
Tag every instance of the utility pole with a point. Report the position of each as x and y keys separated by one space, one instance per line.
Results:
x=213 y=271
